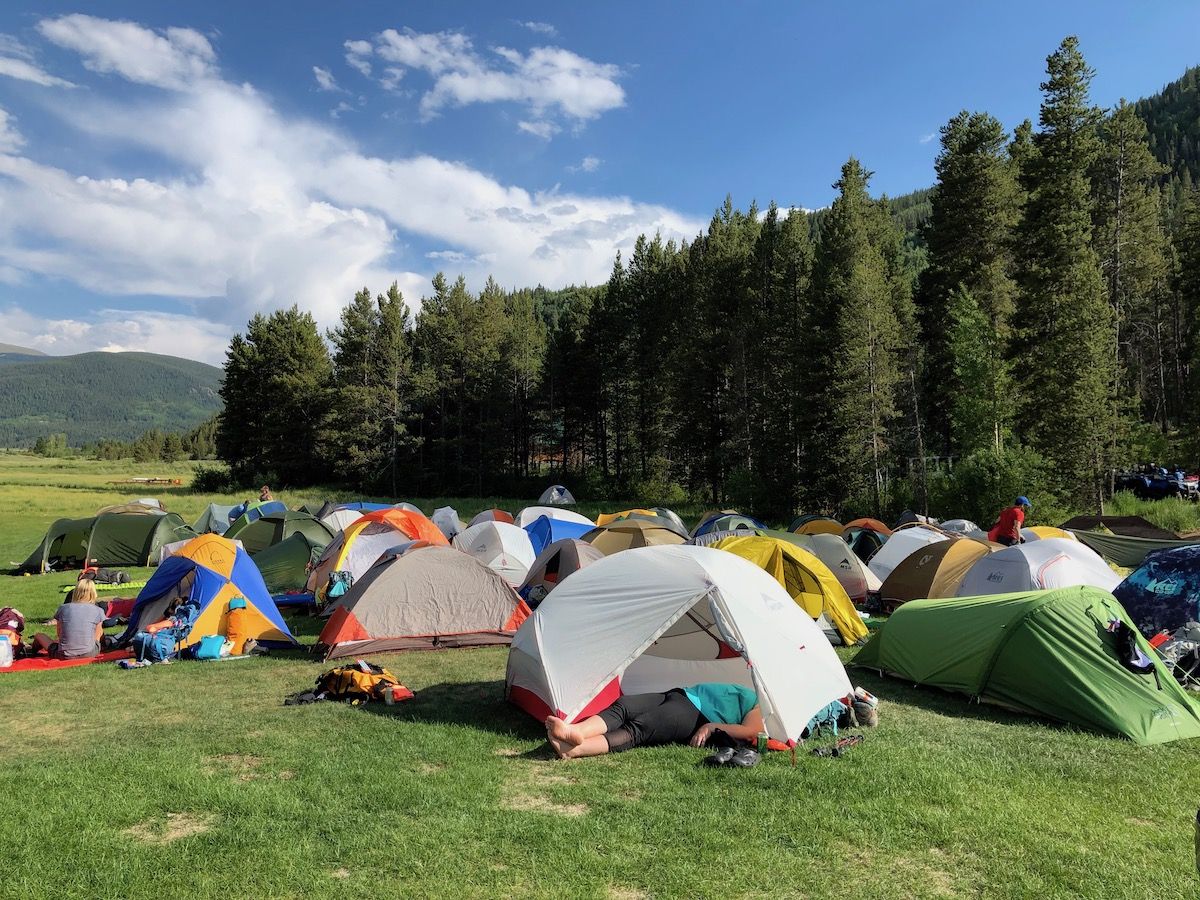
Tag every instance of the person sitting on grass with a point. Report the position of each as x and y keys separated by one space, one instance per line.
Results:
x=79 y=623
x=688 y=715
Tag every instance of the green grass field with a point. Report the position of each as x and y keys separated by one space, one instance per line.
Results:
x=193 y=780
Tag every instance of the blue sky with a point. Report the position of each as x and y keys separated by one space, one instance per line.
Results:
x=167 y=170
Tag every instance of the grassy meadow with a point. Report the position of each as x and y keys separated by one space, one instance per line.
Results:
x=192 y=779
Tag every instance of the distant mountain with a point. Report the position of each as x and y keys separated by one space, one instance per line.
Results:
x=1172 y=117
x=101 y=395
x=23 y=351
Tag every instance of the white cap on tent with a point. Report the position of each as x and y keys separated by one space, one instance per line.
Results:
x=340 y=518
x=900 y=546
x=657 y=618
x=503 y=548
x=447 y=520
x=531 y=514
x=556 y=494
x=1044 y=564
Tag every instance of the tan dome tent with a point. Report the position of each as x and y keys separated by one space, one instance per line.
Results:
x=427 y=598
x=629 y=534
x=933 y=572
x=553 y=564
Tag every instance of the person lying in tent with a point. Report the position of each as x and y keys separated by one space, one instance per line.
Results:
x=79 y=623
x=690 y=715
x=1007 y=530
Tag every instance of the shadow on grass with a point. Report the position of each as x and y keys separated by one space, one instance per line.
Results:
x=474 y=704
x=945 y=703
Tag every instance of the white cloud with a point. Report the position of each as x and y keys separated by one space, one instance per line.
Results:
x=265 y=209
x=342 y=107
x=547 y=81
x=587 y=164
x=358 y=55
x=926 y=138
x=10 y=138
x=540 y=28
x=11 y=46
x=116 y=330
x=23 y=70
x=543 y=129
x=173 y=58
x=325 y=79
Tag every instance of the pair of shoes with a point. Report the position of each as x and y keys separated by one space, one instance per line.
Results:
x=743 y=758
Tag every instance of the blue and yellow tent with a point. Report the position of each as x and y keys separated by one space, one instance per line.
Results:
x=211 y=571
x=544 y=531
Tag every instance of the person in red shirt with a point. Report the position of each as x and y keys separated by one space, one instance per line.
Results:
x=1007 y=530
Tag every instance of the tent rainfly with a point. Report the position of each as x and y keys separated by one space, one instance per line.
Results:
x=556 y=495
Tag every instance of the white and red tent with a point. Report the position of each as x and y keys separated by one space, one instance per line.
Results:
x=664 y=617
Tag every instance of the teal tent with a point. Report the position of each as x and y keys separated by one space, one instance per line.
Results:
x=1048 y=653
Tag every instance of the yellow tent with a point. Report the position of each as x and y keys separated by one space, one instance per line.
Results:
x=808 y=580
x=1047 y=531
x=606 y=518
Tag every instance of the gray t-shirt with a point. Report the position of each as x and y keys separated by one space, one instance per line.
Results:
x=77 y=629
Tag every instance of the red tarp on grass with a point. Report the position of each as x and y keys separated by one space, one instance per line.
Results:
x=40 y=663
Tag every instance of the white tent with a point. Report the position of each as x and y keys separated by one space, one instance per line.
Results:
x=900 y=546
x=664 y=617
x=531 y=514
x=960 y=526
x=340 y=518
x=503 y=548
x=556 y=495
x=1044 y=564
x=447 y=520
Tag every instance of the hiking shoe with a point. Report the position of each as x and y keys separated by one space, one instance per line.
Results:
x=721 y=758
x=745 y=758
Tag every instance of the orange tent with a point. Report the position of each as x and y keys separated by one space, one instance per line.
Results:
x=870 y=525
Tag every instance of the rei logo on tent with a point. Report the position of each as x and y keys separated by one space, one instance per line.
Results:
x=1164 y=712
x=996 y=577
x=1167 y=588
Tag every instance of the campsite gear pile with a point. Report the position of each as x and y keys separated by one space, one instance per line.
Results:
x=355 y=684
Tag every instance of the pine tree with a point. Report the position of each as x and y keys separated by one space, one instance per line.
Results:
x=355 y=428
x=394 y=386
x=276 y=388
x=969 y=236
x=1065 y=336
x=981 y=408
x=863 y=345
x=1130 y=242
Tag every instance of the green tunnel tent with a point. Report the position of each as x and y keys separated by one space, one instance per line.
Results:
x=1047 y=653
x=111 y=539
x=264 y=532
x=285 y=566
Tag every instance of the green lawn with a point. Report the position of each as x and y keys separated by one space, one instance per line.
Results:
x=193 y=780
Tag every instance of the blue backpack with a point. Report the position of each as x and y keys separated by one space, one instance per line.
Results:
x=339 y=583
x=164 y=644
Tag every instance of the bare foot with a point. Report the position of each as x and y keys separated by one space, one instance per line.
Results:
x=559 y=730
x=562 y=749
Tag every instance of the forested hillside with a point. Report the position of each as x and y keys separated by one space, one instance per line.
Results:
x=102 y=395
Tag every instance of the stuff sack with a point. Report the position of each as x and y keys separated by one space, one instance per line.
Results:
x=358 y=683
x=210 y=647
x=339 y=583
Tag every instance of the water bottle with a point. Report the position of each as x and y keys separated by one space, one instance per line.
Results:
x=6 y=653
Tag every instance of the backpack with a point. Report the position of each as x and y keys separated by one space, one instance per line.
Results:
x=164 y=644
x=357 y=683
